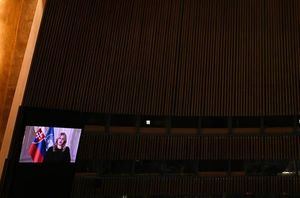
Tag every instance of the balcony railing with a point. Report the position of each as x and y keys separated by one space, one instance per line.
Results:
x=182 y=185
x=189 y=147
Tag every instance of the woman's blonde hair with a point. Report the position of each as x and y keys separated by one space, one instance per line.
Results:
x=63 y=145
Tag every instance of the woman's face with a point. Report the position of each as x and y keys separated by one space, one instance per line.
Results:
x=61 y=140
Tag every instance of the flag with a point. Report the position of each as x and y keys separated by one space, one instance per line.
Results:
x=40 y=144
x=37 y=148
x=50 y=138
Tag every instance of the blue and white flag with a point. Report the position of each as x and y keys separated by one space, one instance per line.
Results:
x=49 y=138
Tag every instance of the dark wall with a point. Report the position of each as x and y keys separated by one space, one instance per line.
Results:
x=172 y=57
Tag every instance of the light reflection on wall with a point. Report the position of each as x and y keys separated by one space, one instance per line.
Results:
x=15 y=23
x=30 y=15
x=10 y=12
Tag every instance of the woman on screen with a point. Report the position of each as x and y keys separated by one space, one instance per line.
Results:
x=59 y=152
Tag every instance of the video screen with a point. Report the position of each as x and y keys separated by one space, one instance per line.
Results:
x=42 y=144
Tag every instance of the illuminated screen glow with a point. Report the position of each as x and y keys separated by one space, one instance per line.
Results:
x=39 y=142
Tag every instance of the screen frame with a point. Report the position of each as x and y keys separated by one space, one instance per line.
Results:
x=73 y=139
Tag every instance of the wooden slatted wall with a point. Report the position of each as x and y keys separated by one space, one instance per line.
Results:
x=171 y=57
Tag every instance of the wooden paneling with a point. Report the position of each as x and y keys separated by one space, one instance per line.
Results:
x=173 y=57
x=15 y=23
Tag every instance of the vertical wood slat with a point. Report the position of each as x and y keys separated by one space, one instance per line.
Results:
x=168 y=58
